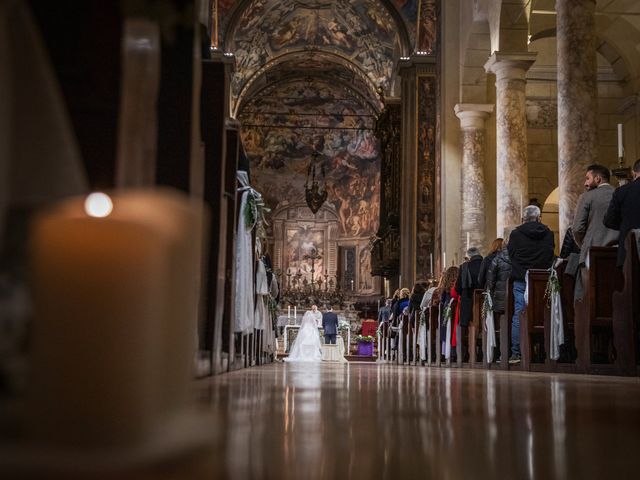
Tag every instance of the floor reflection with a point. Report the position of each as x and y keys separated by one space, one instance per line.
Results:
x=294 y=421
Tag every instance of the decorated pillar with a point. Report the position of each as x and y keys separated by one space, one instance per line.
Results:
x=511 y=135
x=473 y=135
x=577 y=101
x=419 y=216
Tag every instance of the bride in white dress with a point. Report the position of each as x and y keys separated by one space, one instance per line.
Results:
x=306 y=347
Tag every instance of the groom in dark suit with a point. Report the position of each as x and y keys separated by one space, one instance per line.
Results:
x=330 y=325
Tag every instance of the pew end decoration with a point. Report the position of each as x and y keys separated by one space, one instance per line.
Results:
x=552 y=295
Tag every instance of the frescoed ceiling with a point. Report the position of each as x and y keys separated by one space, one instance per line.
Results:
x=363 y=35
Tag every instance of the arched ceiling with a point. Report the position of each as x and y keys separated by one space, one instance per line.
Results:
x=352 y=42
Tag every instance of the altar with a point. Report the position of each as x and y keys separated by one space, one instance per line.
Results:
x=291 y=332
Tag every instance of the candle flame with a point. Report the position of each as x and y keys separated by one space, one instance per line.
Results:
x=98 y=205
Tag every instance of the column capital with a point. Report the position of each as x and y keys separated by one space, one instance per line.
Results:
x=511 y=66
x=473 y=115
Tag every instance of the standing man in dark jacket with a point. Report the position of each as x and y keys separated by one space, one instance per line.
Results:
x=330 y=326
x=467 y=282
x=530 y=246
x=624 y=210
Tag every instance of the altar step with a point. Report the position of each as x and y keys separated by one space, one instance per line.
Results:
x=350 y=358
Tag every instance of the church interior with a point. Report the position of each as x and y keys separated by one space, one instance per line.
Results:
x=181 y=180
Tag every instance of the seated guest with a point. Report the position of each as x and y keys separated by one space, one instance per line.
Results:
x=623 y=213
x=494 y=248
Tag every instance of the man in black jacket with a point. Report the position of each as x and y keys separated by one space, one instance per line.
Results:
x=530 y=246
x=624 y=210
x=467 y=282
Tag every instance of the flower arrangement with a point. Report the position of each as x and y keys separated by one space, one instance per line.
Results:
x=343 y=325
x=364 y=338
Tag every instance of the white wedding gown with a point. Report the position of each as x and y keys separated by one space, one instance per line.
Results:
x=306 y=347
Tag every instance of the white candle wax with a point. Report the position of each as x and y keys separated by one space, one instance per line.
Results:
x=116 y=309
x=295 y=311
x=288 y=311
x=620 y=142
x=444 y=261
x=467 y=240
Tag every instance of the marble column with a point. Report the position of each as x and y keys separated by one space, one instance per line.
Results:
x=511 y=135
x=473 y=135
x=577 y=101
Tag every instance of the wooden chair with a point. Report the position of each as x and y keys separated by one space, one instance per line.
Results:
x=626 y=312
x=594 y=315
x=535 y=323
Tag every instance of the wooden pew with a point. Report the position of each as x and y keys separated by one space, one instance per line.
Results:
x=534 y=324
x=476 y=331
x=433 y=335
x=504 y=321
x=595 y=312
x=626 y=312
x=467 y=337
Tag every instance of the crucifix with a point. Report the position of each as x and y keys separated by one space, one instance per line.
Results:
x=313 y=255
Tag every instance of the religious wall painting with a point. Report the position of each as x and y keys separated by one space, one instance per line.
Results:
x=284 y=126
x=365 y=280
x=426 y=211
x=427 y=27
x=301 y=242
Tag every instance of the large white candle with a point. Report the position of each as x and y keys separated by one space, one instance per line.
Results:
x=295 y=312
x=288 y=311
x=115 y=313
x=620 y=142
x=467 y=240
x=444 y=261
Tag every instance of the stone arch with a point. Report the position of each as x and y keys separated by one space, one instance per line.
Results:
x=508 y=24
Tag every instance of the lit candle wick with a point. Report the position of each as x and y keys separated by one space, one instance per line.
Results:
x=98 y=205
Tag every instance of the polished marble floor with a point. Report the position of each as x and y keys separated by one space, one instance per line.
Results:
x=288 y=421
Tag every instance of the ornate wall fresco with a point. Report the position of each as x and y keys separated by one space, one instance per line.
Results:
x=427 y=115
x=427 y=27
x=283 y=125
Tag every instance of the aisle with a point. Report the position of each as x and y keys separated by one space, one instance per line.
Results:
x=380 y=421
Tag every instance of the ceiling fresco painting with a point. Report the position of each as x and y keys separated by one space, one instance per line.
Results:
x=322 y=66
x=285 y=124
x=361 y=32
x=407 y=10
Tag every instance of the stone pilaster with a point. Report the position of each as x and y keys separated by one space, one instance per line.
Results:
x=577 y=101
x=511 y=135
x=473 y=135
